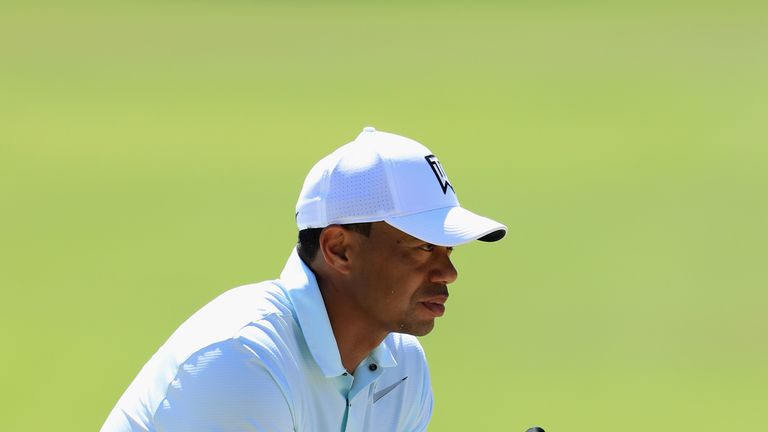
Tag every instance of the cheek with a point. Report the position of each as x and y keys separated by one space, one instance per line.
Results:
x=396 y=277
x=384 y=287
x=405 y=284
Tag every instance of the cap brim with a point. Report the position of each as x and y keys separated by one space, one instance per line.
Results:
x=449 y=226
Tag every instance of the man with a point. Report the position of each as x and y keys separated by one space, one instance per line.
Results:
x=329 y=346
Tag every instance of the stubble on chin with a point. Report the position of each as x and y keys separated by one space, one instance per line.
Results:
x=416 y=329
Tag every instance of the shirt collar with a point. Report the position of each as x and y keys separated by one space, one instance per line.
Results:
x=301 y=285
x=382 y=355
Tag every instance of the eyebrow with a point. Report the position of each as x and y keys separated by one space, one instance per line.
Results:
x=411 y=239
x=407 y=241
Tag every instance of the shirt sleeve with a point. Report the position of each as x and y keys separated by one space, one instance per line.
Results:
x=225 y=387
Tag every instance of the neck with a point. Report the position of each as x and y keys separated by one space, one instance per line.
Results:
x=355 y=336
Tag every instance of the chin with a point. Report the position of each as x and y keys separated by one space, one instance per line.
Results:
x=417 y=329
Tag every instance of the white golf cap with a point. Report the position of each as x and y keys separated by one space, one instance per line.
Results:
x=386 y=177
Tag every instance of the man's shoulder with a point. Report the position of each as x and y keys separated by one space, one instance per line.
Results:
x=208 y=345
x=254 y=301
x=226 y=315
x=263 y=295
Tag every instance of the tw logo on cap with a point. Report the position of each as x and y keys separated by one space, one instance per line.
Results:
x=442 y=178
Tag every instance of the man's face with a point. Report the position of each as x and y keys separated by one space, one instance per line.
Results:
x=401 y=281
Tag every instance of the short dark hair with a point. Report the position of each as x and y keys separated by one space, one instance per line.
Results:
x=309 y=239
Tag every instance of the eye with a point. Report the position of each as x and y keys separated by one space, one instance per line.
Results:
x=427 y=247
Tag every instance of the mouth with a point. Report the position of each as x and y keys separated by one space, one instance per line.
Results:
x=435 y=305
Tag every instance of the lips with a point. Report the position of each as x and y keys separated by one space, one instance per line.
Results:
x=435 y=309
x=435 y=305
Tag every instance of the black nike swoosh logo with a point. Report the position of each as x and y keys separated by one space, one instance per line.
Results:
x=383 y=392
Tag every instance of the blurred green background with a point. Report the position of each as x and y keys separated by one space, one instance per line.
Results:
x=151 y=154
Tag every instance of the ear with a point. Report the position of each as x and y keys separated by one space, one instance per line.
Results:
x=336 y=244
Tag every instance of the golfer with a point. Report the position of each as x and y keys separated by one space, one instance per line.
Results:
x=330 y=345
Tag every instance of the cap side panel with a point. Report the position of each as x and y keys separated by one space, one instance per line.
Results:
x=322 y=208
x=393 y=186
x=358 y=188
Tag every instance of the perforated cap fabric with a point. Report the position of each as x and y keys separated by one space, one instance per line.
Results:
x=386 y=177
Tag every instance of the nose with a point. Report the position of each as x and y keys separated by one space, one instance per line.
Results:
x=444 y=271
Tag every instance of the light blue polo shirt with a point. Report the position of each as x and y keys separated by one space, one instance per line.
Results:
x=263 y=357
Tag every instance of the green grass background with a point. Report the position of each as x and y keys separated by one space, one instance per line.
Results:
x=151 y=154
